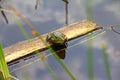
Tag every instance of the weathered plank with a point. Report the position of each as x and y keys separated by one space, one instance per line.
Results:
x=24 y=48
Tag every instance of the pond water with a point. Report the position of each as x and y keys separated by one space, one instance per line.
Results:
x=49 y=16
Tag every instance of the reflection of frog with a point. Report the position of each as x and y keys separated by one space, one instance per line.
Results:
x=60 y=50
x=56 y=38
x=59 y=43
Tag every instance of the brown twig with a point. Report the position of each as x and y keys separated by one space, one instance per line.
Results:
x=3 y=14
x=112 y=28
x=37 y=1
x=66 y=9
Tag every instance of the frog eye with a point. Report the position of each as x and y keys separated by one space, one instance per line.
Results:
x=49 y=38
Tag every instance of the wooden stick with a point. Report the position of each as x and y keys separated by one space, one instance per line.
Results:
x=26 y=47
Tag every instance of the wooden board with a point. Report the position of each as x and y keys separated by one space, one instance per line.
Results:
x=26 y=47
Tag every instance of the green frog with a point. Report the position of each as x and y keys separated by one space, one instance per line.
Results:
x=56 y=38
x=59 y=43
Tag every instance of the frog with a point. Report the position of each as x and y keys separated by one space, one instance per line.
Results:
x=59 y=43
x=56 y=38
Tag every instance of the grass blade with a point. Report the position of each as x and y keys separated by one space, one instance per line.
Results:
x=27 y=37
x=4 y=71
x=36 y=33
x=105 y=56
x=58 y=59
x=90 y=59
x=3 y=64
x=50 y=70
x=89 y=44
x=89 y=9
x=1 y=76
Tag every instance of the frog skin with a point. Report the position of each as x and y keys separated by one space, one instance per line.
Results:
x=59 y=43
x=56 y=38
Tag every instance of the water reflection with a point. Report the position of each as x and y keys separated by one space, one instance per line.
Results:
x=60 y=50
x=106 y=12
